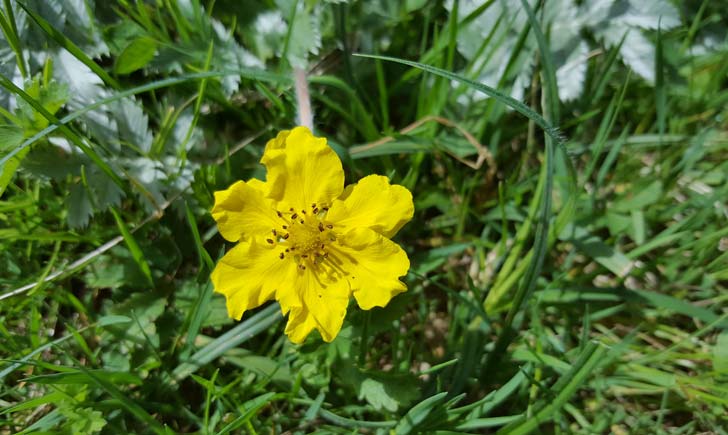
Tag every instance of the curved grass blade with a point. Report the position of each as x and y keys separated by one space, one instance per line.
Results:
x=516 y=105
x=239 y=334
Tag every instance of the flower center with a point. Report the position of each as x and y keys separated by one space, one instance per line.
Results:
x=303 y=236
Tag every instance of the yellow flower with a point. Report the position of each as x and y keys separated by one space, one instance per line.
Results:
x=307 y=242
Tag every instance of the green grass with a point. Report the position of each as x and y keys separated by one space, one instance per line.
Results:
x=569 y=256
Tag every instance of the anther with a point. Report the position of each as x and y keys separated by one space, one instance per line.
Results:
x=290 y=209
x=302 y=221
x=279 y=213
x=321 y=227
x=329 y=226
x=302 y=267
x=269 y=241
x=285 y=236
x=294 y=215
x=315 y=210
x=288 y=250
x=274 y=233
x=326 y=209
x=285 y=227
x=281 y=256
x=303 y=211
x=304 y=256
x=313 y=205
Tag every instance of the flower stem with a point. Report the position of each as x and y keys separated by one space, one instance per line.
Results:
x=303 y=98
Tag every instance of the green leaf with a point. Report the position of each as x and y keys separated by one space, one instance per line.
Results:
x=79 y=207
x=382 y=390
x=10 y=137
x=720 y=354
x=136 y=55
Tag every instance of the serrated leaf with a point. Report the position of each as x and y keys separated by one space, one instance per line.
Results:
x=79 y=207
x=648 y=14
x=639 y=53
x=269 y=32
x=388 y=391
x=105 y=191
x=571 y=73
x=133 y=124
x=382 y=390
x=305 y=36
x=136 y=55
x=85 y=87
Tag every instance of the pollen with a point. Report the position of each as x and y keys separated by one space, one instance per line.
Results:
x=307 y=235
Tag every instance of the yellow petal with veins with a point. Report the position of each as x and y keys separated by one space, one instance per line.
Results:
x=302 y=170
x=373 y=264
x=250 y=274
x=373 y=203
x=242 y=210
x=323 y=307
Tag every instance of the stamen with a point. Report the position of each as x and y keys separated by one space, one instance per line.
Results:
x=303 y=211
x=285 y=236
x=290 y=209
x=294 y=215
x=281 y=256
x=279 y=213
x=302 y=221
x=285 y=227
x=269 y=241
x=326 y=209
x=321 y=227
x=313 y=205
x=304 y=256
x=315 y=210
x=302 y=267
x=274 y=232
x=329 y=226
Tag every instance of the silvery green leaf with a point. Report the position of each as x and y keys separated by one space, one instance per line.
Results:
x=85 y=87
x=79 y=207
x=230 y=55
x=179 y=137
x=305 y=36
x=105 y=191
x=639 y=54
x=150 y=173
x=55 y=162
x=80 y=29
x=269 y=30
x=647 y=14
x=571 y=72
x=133 y=123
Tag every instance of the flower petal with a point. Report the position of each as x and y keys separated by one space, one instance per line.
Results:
x=373 y=203
x=324 y=306
x=243 y=210
x=302 y=169
x=250 y=274
x=373 y=264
